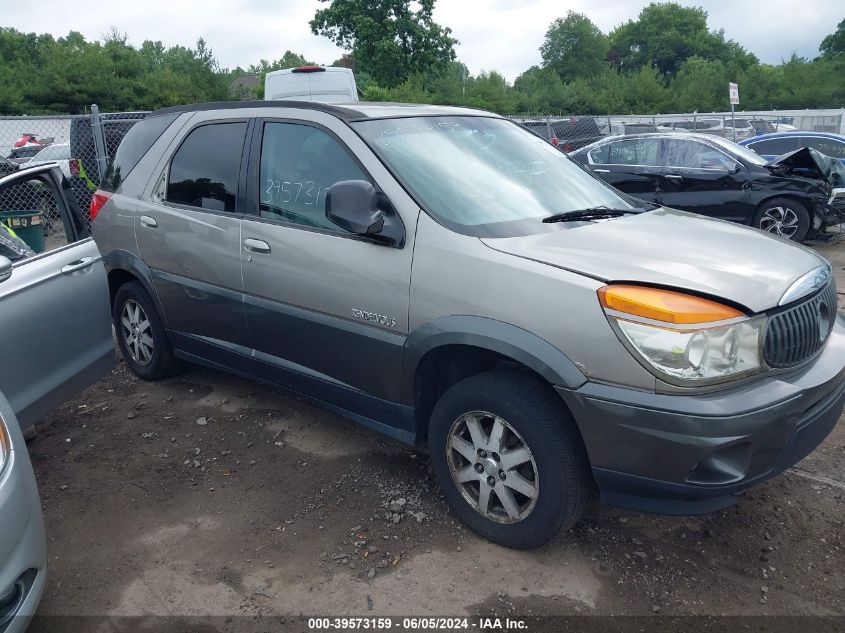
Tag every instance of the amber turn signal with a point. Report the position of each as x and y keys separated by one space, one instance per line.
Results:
x=667 y=306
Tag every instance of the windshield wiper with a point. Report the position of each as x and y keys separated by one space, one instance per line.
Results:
x=593 y=213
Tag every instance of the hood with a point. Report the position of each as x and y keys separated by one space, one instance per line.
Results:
x=675 y=249
x=810 y=163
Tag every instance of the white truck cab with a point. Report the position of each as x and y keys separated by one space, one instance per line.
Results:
x=325 y=84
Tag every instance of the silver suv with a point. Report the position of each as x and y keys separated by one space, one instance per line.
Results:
x=450 y=279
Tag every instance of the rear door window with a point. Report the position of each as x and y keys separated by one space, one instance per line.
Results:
x=776 y=146
x=689 y=154
x=635 y=151
x=204 y=171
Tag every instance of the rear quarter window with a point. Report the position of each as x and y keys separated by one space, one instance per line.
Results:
x=137 y=142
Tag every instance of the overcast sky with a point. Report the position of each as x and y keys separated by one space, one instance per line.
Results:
x=501 y=35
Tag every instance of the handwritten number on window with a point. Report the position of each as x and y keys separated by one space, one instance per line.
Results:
x=277 y=191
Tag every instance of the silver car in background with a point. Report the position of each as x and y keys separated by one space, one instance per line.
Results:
x=56 y=340
x=23 y=550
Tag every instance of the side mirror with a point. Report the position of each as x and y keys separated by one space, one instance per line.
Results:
x=353 y=205
x=5 y=268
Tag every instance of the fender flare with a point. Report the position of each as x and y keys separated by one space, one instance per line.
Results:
x=489 y=334
x=129 y=262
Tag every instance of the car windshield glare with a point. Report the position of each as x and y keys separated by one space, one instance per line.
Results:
x=485 y=176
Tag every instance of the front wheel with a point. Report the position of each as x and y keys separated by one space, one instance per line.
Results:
x=509 y=458
x=783 y=217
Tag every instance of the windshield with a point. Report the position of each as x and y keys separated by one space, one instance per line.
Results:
x=485 y=176
x=746 y=154
x=53 y=152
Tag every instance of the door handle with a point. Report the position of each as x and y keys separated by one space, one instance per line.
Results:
x=79 y=264
x=674 y=177
x=256 y=246
x=601 y=171
x=147 y=221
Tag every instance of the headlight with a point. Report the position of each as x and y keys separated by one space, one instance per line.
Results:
x=5 y=444
x=681 y=338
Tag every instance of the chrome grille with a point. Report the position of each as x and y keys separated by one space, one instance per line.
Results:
x=799 y=332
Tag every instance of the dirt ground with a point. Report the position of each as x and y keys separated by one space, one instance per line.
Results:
x=207 y=494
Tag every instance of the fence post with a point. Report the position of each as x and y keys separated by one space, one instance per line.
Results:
x=99 y=141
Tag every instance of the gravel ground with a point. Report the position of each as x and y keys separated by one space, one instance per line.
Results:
x=207 y=494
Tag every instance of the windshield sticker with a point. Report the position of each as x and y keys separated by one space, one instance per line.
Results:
x=421 y=127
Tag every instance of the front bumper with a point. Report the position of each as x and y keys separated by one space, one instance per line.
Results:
x=688 y=454
x=23 y=551
x=832 y=212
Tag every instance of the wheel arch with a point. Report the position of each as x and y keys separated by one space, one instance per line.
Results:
x=124 y=266
x=805 y=199
x=446 y=350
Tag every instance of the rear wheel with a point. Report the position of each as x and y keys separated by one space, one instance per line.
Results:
x=140 y=333
x=783 y=217
x=509 y=458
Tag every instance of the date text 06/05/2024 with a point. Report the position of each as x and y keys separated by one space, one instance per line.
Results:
x=417 y=623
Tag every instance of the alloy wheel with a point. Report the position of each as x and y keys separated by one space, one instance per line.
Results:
x=781 y=221
x=493 y=467
x=136 y=332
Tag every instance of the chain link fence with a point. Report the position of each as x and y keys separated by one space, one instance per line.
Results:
x=79 y=145
x=567 y=133
x=572 y=132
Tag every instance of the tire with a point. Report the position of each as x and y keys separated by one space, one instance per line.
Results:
x=534 y=417
x=157 y=361
x=784 y=217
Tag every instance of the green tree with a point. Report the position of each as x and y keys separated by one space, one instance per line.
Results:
x=667 y=34
x=39 y=74
x=490 y=91
x=834 y=44
x=759 y=87
x=539 y=90
x=389 y=39
x=701 y=85
x=574 y=47
x=645 y=92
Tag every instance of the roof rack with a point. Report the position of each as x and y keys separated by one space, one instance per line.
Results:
x=342 y=113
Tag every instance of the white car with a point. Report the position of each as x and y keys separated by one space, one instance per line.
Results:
x=58 y=153
x=725 y=127
x=326 y=84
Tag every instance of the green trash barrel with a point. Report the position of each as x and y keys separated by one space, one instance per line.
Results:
x=27 y=226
